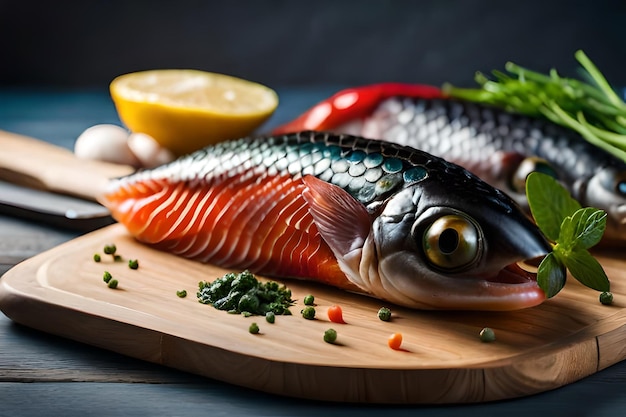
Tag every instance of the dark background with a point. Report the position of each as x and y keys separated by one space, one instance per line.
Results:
x=297 y=42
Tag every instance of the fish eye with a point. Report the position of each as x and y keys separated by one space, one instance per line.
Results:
x=525 y=168
x=452 y=242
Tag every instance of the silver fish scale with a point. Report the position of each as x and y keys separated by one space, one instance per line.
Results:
x=369 y=170
x=469 y=134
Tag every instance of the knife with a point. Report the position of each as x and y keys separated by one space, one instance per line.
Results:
x=53 y=209
x=47 y=183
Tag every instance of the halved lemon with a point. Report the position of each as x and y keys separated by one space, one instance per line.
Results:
x=185 y=110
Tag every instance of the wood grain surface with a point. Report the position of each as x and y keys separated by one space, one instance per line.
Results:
x=443 y=361
x=34 y=163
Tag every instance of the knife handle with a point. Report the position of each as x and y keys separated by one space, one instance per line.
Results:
x=37 y=164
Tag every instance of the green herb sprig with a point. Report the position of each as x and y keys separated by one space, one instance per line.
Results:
x=572 y=229
x=592 y=109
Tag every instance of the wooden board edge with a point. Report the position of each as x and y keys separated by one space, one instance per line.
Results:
x=499 y=380
x=570 y=359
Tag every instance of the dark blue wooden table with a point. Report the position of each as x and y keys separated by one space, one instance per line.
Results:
x=42 y=374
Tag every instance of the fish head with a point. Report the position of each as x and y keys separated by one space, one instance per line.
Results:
x=606 y=190
x=444 y=246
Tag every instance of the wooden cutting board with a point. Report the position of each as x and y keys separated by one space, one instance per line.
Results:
x=62 y=292
x=567 y=338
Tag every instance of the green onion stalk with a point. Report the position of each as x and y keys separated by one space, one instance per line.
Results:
x=592 y=108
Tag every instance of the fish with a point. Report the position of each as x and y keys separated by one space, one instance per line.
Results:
x=500 y=147
x=363 y=215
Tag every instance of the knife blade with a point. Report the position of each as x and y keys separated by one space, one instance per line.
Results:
x=49 y=184
x=53 y=209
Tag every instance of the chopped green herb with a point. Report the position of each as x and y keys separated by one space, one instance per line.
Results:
x=238 y=293
x=330 y=336
x=270 y=317
x=106 y=277
x=572 y=229
x=133 y=264
x=110 y=249
x=384 y=314
x=487 y=335
x=592 y=109
x=113 y=283
x=254 y=328
x=181 y=293
x=308 y=313
x=96 y=257
x=309 y=300
x=248 y=302
x=606 y=298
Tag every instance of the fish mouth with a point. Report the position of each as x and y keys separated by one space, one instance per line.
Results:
x=512 y=288
x=522 y=272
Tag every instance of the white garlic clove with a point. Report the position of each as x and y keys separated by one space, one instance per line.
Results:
x=105 y=142
x=148 y=151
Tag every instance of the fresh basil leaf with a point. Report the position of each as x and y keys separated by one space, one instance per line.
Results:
x=583 y=229
x=551 y=275
x=549 y=203
x=586 y=269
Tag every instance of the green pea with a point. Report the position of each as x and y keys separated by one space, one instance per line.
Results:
x=106 y=277
x=384 y=314
x=254 y=328
x=110 y=249
x=133 y=264
x=96 y=257
x=487 y=335
x=606 y=298
x=270 y=317
x=181 y=293
x=308 y=313
x=330 y=336
x=113 y=283
x=309 y=300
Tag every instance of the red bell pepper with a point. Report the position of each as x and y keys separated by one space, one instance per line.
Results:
x=353 y=103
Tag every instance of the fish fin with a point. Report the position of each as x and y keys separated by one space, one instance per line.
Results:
x=341 y=220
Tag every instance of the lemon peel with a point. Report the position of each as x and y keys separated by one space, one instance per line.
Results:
x=185 y=110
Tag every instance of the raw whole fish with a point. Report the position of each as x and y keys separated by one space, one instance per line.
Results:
x=500 y=147
x=363 y=215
